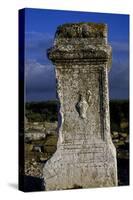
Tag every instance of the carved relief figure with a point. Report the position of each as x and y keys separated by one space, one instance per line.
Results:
x=82 y=107
x=88 y=96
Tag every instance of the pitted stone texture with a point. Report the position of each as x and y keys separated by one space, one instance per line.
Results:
x=85 y=155
x=82 y=30
x=81 y=41
x=80 y=165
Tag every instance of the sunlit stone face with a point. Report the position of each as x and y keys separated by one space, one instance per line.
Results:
x=85 y=155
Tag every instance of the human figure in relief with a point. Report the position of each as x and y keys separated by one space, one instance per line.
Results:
x=82 y=107
x=83 y=104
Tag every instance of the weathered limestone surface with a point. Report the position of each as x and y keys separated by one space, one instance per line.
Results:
x=85 y=156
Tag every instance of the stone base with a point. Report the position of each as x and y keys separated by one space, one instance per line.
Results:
x=81 y=166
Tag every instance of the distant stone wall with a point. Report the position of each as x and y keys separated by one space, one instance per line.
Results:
x=85 y=155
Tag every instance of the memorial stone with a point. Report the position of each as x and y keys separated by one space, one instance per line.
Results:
x=85 y=155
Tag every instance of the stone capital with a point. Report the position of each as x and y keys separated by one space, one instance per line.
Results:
x=86 y=42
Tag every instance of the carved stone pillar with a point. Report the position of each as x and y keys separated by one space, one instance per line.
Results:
x=85 y=156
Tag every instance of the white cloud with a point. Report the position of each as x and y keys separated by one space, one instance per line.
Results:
x=39 y=77
x=34 y=39
x=120 y=46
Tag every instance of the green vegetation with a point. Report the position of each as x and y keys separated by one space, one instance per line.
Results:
x=119 y=115
x=42 y=111
x=48 y=111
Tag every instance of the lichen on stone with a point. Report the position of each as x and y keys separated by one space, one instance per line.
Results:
x=82 y=29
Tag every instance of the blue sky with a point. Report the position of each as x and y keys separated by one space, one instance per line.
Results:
x=40 y=28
